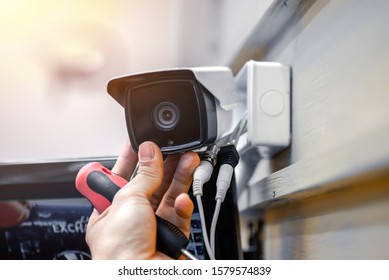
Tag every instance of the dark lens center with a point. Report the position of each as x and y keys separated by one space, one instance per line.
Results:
x=167 y=115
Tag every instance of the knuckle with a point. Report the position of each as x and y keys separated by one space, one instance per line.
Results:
x=149 y=172
x=169 y=199
x=183 y=177
x=123 y=193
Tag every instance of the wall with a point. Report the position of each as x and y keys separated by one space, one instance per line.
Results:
x=213 y=32
x=327 y=195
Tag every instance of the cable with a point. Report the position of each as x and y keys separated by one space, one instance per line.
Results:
x=239 y=130
x=228 y=157
x=204 y=228
x=234 y=136
x=204 y=171
x=201 y=175
x=135 y=171
x=214 y=222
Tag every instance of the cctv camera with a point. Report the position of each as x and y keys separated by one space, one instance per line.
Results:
x=179 y=109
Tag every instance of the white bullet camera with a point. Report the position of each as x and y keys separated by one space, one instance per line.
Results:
x=179 y=109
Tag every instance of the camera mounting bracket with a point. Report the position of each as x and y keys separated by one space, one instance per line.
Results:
x=267 y=86
x=220 y=81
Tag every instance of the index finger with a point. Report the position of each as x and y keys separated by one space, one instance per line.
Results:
x=126 y=162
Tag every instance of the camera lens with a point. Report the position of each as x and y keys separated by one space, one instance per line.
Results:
x=166 y=115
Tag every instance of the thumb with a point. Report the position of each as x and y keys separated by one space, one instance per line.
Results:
x=150 y=170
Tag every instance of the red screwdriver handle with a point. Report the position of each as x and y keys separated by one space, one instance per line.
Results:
x=99 y=185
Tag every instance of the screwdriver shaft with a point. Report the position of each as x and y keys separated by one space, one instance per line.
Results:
x=188 y=255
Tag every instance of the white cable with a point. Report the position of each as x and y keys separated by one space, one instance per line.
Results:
x=204 y=228
x=201 y=175
x=135 y=171
x=214 y=223
x=223 y=183
x=234 y=136
x=241 y=128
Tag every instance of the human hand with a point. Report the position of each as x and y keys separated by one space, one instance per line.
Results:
x=127 y=229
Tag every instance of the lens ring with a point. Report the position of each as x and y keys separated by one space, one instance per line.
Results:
x=166 y=115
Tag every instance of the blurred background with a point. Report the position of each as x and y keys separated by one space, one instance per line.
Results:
x=325 y=197
x=57 y=56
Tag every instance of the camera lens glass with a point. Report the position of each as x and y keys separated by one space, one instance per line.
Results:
x=166 y=115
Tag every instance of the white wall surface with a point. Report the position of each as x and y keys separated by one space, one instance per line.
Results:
x=327 y=196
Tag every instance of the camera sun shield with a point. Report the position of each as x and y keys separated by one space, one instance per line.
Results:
x=170 y=108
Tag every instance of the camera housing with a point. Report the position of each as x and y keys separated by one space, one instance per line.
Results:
x=179 y=109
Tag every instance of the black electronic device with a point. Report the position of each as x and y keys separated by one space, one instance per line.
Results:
x=178 y=109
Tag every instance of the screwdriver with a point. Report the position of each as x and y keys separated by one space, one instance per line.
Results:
x=99 y=185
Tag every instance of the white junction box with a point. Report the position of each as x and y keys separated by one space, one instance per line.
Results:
x=268 y=89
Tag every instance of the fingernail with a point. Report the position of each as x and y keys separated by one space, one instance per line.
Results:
x=146 y=151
